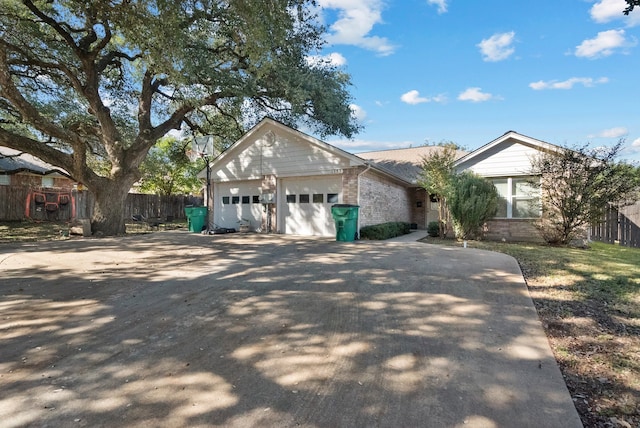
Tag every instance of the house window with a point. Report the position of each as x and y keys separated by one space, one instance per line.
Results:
x=235 y=200
x=291 y=199
x=304 y=199
x=255 y=199
x=47 y=181
x=5 y=180
x=318 y=198
x=332 y=198
x=245 y=199
x=518 y=198
x=225 y=200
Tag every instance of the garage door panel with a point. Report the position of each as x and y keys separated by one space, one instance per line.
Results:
x=237 y=201
x=309 y=211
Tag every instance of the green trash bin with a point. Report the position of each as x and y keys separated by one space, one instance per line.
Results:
x=346 y=219
x=196 y=218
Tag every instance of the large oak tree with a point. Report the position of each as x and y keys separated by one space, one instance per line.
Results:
x=91 y=85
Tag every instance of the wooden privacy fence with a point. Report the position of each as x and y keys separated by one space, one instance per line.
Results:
x=619 y=225
x=14 y=199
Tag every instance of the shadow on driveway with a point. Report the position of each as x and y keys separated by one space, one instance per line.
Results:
x=179 y=329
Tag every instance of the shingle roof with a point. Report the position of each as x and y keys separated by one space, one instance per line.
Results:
x=406 y=163
x=12 y=161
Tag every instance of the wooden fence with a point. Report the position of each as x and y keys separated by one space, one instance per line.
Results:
x=14 y=200
x=619 y=225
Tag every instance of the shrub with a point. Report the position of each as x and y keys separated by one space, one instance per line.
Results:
x=433 y=229
x=385 y=230
x=473 y=202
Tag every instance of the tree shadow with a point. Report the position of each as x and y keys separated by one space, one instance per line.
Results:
x=178 y=330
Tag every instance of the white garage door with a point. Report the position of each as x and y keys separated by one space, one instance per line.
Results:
x=306 y=205
x=236 y=201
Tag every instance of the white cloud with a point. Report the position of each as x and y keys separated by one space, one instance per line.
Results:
x=442 y=5
x=567 y=84
x=604 y=44
x=497 y=47
x=413 y=97
x=617 y=132
x=356 y=19
x=358 y=112
x=605 y=11
x=474 y=95
x=636 y=143
x=333 y=58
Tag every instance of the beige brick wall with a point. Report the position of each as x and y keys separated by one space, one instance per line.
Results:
x=512 y=230
x=350 y=185
x=383 y=200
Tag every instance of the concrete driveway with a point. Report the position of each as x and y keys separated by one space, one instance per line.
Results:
x=177 y=329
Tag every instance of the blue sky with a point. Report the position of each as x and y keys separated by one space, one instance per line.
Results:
x=563 y=71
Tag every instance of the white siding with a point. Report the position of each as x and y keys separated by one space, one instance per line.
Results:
x=282 y=155
x=509 y=158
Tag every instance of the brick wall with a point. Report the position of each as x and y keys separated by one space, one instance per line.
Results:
x=383 y=200
x=350 y=185
x=513 y=230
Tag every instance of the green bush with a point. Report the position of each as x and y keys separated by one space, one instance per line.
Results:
x=385 y=230
x=473 y=202
x=433 y=229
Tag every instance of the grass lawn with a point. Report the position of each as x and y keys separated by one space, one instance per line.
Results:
x=589 y=304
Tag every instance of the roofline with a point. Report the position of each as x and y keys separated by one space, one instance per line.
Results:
x=33 y=171
x=509 y=134
x=312 y=140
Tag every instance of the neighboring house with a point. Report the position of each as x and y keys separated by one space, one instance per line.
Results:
x=22 y=169
x=281 y=180
x=32 y=188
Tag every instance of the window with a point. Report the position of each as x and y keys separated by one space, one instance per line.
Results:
x=225 y=200
x=526 y=200
x=47 y=181
x=245 y=199
x=318 y=198
x=304 y=199
x=518 y=198
x=235 y=200
x=291 y=199
x=256 y=199
x=332 y=198
x=5 y=179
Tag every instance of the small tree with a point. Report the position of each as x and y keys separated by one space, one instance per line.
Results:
x=167 y=170
x=436 y=178
x=577 y=184
x=474 y=200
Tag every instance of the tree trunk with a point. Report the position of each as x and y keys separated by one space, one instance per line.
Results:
x=108 y=212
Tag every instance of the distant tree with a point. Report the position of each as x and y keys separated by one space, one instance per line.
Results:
x=631 y=5
x=576 y=186
x=167 y=170
x=436 y=177
x=91 y=85
x=473 y=201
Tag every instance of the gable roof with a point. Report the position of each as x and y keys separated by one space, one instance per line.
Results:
x=509 y=135
x=406 y=163
x=354 y=160
x=14 y=161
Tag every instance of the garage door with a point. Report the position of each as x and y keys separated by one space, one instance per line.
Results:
x=306 y=205
x=236 y=201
